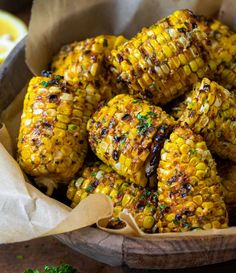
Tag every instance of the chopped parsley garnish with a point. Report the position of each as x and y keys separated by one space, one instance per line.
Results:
x=94 y=174
x=162 y=207
x=45 y=84
x=89 y=189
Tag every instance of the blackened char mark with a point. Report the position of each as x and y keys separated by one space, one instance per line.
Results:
x=161 y=135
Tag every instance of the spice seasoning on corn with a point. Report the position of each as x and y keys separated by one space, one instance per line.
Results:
x=86 y=64
x=52 y=140
x=163 y=61
x=211 y=112
x=227 y=171
x=222 y=50
x=127 y=134
x=99 y=178
x=189 y=189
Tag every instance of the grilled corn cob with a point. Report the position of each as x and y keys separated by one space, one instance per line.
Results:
x=222 y=50
x=227 y=171
x=127 y=134
x=52 y=140
x=211 y=111
x=99 y=178
x=227 y=75
x=189 y=190
x=86 y=64
x=164 y=60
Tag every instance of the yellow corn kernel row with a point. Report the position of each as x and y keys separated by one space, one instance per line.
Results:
x=211 y=112
x=226 y=75
x=52 y=138
x=86 y=64
x=99 y=178
x=227 y=172
x=222 y=50
x=189 y=189
x=127 y=134
x=163 y=61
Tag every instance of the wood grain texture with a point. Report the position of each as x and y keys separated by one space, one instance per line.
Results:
x=94 y=243
x=155 y=254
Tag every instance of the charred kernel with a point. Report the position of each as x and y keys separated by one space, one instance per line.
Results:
x=115 y=155
x=117 y=138
x=206 y=87
x=119 y=58
x=149 y=94
x=126 y=117
x=104 y=132
x=178 y=217
x=46 y=73
x=172 y=180
x=53 y=98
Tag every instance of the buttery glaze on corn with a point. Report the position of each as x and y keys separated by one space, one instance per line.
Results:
x=86 y=64
x=222 y=50
x=52 y=139
x=127 y=134
x=211 y=111
x=189 y=189
x=163 y=61
x=99 y=178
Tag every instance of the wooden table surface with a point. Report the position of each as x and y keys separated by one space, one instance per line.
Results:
x=15 y=258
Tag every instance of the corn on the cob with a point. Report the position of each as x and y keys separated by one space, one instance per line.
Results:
x=211 y=112
x=189 y=190
x=52 y=140
x=127 y=134
x=99 y=178
x=222 y=50
x=226 y=75
x=86 y=64
x=164 y=60
x=227 y=172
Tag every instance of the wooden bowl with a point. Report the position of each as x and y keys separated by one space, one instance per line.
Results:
x=117 y=250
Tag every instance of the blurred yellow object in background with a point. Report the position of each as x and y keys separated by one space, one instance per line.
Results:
x=12 y=30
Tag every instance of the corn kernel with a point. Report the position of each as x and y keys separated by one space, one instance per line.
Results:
x=148 y=222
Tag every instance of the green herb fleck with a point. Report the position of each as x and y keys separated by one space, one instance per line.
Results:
x=89 y=189
x=151 y=114
x=45 y=84
x=153 y=85
x=58 y=77
x=94 y=174
x=72 y=127
x=139 y=101
x=155 y=197
x=162 y=207
x=193 y=152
